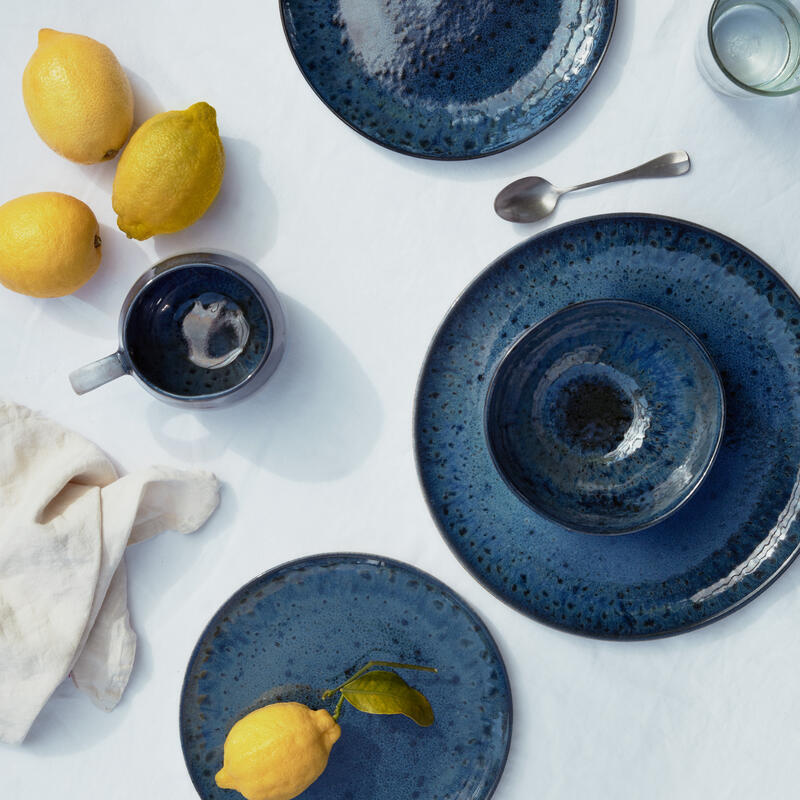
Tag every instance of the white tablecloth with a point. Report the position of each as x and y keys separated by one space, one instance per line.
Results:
x=369 y=249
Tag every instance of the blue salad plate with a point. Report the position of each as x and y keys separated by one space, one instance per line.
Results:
x=448 y=79
x=307 y=626
x=736 y=533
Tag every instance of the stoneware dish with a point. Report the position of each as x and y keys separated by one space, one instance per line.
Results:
x=309 y=625
x=731 y=538
x=199 y=330
x=605 y=416
x=448 y=80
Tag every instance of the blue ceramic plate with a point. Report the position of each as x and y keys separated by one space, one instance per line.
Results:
x=447 y=79
x=739 y=530
x=308 y=625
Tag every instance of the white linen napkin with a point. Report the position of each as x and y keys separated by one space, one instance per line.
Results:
x=65 y=521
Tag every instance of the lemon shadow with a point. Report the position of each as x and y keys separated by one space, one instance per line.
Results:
x=146 y=103
x=355 y=763
x=242 y=219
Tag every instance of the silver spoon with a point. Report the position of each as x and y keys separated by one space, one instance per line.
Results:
x=532 y=199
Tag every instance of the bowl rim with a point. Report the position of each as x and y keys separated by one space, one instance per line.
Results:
x=698 y=480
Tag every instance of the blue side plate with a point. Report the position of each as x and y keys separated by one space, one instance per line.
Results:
x=309 y=624
x=739 y=530
x=448 y=80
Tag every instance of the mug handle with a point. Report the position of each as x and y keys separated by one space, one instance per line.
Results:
x=90 y=376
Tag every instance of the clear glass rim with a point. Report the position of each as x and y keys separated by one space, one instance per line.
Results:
x=728 y=75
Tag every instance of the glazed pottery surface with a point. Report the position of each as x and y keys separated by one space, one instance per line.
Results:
x=309 y=625
x=731 y=538
x=606 y=416
x=445 y=79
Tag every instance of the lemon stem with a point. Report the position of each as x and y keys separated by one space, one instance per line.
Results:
x=370 y=665
x=338 y=709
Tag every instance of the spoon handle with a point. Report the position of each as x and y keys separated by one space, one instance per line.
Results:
x=666 y=166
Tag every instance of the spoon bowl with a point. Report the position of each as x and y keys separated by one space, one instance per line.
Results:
x=527 y=199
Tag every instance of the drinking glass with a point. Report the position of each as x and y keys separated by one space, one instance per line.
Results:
x=751 y=47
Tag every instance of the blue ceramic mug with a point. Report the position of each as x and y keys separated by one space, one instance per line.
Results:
x=198 y=329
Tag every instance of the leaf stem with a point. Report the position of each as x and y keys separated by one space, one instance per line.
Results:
x=370 y=665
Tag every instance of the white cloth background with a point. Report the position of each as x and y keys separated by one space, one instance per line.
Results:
x=369 y=249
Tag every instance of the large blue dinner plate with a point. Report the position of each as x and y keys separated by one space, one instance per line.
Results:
x=306 y=626
x=447 y=79
x=731 y=539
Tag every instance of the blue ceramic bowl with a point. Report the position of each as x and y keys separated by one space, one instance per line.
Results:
x=606 y=416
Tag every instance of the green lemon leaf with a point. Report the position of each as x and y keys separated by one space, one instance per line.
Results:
x=384 y=692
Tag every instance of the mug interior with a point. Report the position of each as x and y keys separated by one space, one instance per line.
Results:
x=154 y=331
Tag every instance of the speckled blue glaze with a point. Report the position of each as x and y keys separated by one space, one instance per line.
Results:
x=305 y=627
x=605 y=416
x=155 y=343
x=739 y=530
x=445 y=79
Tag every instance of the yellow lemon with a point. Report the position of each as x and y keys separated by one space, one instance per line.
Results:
x=49 y=244
x=78 y=97
x=170 y=172
x=278 y=751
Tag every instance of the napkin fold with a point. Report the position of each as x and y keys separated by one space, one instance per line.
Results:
x=65 y=521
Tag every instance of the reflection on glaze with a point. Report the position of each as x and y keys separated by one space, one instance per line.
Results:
x=764 y=551
x=215 y=330
x=389 y=37
x=638 y=416
x=198 y=330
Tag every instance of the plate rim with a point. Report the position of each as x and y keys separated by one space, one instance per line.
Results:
x=415 y=423
x=355 y=557
x=451 y=158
